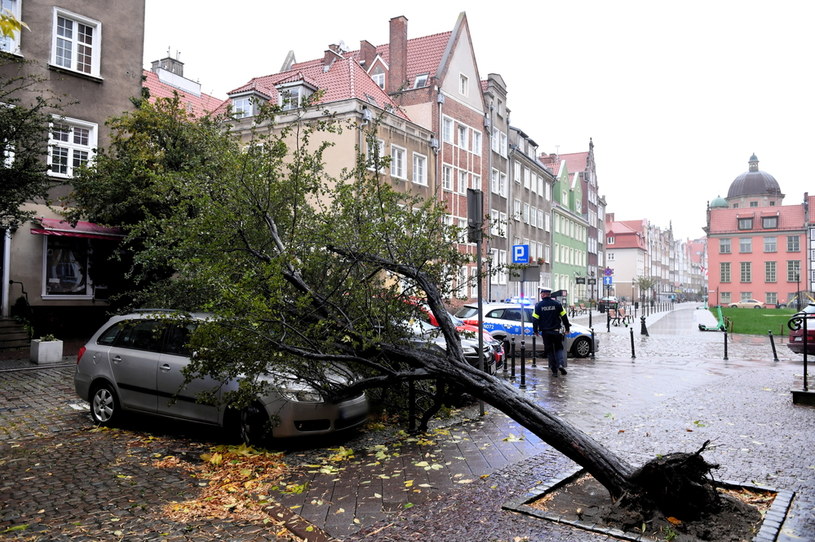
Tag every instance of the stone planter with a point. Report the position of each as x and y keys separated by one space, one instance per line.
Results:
x=46 y=351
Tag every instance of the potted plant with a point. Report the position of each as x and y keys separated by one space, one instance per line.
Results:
x=46 y=349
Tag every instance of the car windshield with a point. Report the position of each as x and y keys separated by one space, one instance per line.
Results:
x=467 y=312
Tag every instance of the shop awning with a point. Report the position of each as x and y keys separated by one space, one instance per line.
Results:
x=89 y=230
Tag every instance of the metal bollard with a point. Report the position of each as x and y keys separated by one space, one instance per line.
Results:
x=772 y=343
x=643 y=329
x=523 y=365
x=725 y=345
x=534 y=352
x=512 y=373
x=592 y=343
x=633 y=355
x=506 y=356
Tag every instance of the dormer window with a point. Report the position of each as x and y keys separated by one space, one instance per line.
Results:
x=292 y=95
x=421 y=81
x=243 y=106
x=378 y=75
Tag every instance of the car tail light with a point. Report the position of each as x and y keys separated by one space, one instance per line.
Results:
x=82 y=350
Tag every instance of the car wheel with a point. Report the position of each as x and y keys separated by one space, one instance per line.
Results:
x=757 y=307
x=104 y=405
x=254 y=424
x=581 y=347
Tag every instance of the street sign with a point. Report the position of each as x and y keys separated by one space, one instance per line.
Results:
x=520 y=253
x=580 y=280
x=608 y=281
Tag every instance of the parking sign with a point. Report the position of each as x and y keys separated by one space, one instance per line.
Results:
x=520 y=253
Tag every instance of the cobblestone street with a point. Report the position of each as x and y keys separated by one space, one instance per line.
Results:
x=66 y=480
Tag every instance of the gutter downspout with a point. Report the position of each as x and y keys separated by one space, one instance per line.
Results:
x=4 y=287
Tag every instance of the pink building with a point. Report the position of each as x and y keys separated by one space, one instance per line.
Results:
x=757 y=247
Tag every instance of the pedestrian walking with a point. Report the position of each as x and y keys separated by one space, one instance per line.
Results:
x=547 y=319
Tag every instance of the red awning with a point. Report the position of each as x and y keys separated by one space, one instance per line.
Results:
x=89 y=230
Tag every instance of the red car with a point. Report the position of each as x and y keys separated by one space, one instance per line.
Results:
x=796 y=337
x=462 y=327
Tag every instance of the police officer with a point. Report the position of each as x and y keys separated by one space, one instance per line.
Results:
x=546 y=322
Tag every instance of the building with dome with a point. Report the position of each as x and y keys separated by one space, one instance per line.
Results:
x=758 y=248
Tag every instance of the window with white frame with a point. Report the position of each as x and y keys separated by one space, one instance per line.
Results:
x=770 y=244
x=516 y=209
x=502 y=179
x=398 y=165
x=292 y=96
x=463 y=179
x=503 y=218
x=495 y=225
x=420 y=169
x=516 y=172
x=376 y=151
x=447 y=130
x=463 y=85
x=495 y=142
x=476 y=142
x=793 y=243
x=533 y=217
x=421 y=81
x=494 y=186
x=463 y=137
x=447 y=177
x=243 y=106
x=10 y=44
x=76 y=42
x=378 y=75
x=526 y=213
x=502 y=262
x=475 y=181
x=526 y=177
x=70 y=146
x=745 y=272
x=503 y=150
x=793 y=270
x=769 y=272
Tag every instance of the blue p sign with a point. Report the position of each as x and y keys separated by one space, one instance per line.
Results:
x=520 y=253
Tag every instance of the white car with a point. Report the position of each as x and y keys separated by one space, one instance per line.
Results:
x=135 y=363
x=503 y=321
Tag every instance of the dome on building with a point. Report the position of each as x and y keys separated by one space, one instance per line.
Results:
x=718 y=202
x=754 y=183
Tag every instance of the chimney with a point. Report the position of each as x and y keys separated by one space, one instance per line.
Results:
x=367 y=54
x=397 y=49
x=331 y=54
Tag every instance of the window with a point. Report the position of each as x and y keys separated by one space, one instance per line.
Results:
x=724 y=272
x=378 y=76
x=769 y=222
x=476 y=142
x=516 y=209
x=494 y=186
x=793 y=271
x=447 y=178
x=516 y=171
x=502 y=262
x=745 y=272
x=746 y=223
x=376 y=151
x=724 y=298
x=770 y=244
x=610 y=240
x=71 y=146
x=495 y=224
x=293 y=95
x=502 y=179
x=463 y=85
x=526 y=177
x=10 y=44
x=475 y=181
x=421 y=81
x=724 y=246
x=66 y=264
x=463 y=139
x=793 y=243
x=771 y=298
x=526 y=213
x=447 y=130
x=463 y=177
x=420 y=169
x=243 y=106
x=769 y=272
x=745 y=245
x=503 y=145
x=398 y=166
x=75 y=43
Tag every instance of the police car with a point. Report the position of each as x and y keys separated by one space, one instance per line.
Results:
x=503 y=321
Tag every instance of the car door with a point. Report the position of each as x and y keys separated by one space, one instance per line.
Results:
x=133 y=359
x=175 y=398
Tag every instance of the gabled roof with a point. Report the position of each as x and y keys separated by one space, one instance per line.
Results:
x=344 y=79
x=626 y=234
x=576 y=161
x=198 y=105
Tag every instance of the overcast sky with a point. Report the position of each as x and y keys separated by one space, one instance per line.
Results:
x=676 y=95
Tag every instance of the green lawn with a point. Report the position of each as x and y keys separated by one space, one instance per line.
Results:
x=757 y=321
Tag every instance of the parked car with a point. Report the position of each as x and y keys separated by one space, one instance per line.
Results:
x=470 y=330
x=796 y=336
x=427 y=335
x=608 y=302
x=503 y=321
x=747 y=304
x=135 y=363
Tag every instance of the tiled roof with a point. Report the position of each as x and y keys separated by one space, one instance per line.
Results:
x=345 y=79
x=625 y=235
x=790 y=217
x=197 y=105
x=576 y=161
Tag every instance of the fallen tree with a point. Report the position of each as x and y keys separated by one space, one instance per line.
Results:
x=310 y=275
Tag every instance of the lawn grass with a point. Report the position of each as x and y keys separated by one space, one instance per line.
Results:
x=757 y=321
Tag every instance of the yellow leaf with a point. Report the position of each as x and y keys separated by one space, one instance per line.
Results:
x=408 y=483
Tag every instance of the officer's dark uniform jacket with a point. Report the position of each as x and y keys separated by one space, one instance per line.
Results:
x=548 y=316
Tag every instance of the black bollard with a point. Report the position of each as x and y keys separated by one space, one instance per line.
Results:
x=523 y=365
x=772 y=343
x=512 y=373
x=725 y=345
x=608 y=320
x=534 y=352
x=643 y=329
x=592 y=343
x=506 y=356
x=633 y=355
x=589 y=314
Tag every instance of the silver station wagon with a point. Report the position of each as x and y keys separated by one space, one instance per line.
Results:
x=135 y=363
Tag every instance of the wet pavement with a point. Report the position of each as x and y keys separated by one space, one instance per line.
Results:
x=673 y=392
